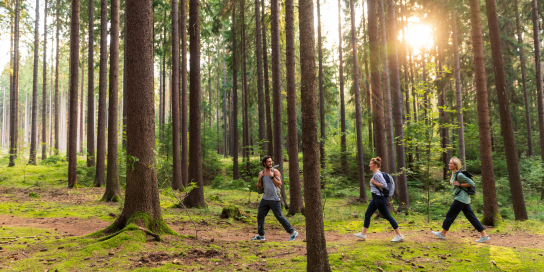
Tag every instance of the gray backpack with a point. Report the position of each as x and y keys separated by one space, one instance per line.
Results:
x=390 y=189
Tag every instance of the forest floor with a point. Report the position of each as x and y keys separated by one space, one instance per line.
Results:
x=45 y=227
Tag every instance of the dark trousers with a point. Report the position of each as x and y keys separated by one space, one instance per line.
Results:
x=379 y=203
x=275 y=206
x=455 y=209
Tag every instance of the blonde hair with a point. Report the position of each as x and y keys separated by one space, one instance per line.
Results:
x=377 y=161
x=457 y=162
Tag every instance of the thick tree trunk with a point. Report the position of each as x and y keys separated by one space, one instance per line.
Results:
x=321 y=91
x=234 y=108
x=32 y=159
x=268 y=111
x=360 y=158
x=390 y=165
x=57 y=106
x=316 y=244
x=184 y=143
x=176 y=163
x=504 y=111
x=142 y=205
x=14 y=97
x=90 y=90
x=99 y=178
x=260 y=92
x=295 y=203
x=402 y=184
x=458 y=94
x=74 y=61
x=196 y=196
x=491 y=210
x=113 y=189
x=276 y=90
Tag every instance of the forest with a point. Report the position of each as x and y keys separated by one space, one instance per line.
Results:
x=138 y=134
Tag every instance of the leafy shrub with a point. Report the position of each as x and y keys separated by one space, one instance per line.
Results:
x=52 y=160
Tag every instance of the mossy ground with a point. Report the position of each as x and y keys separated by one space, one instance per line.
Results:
x=223 y=244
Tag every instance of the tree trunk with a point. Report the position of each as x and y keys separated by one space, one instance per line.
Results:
x=102 y=86
x=34 y=132
x=316 y=245
x=504 y=111
x=196 y=196
x=296 y=204
x=321 y=91
x=268 y=111
x=90 y=90
x=234 y=109
x=245 y=119
x=14 y=131
x=343 y=158
x=113 y=189
x=276 y=90
x=260 y=93
x=142 y=205
x=81 y=110
x=57 y=106
x=390 y=161
x=491 y=210
x=74 y=61
x=226 y=135
x=366 y=79
x=176 y=163
x=184 y=143
x=124 y=124
x=458 y=94
x=377 y=95
x=44 y=95
x=402 y=184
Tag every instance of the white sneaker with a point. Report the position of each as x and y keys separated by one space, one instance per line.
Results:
x=439 y=234
x=483 y=239
x=398 y=238
x=360 y=235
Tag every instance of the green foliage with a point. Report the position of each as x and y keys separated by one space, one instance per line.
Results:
x=52 y=160
x=34 y=195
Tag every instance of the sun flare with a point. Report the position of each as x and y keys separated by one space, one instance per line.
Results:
x=419 y=35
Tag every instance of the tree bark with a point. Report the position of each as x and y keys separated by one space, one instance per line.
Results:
x=113 y=189
x=99 y=178
x=74 y=61
x=81 y=110
x=245 y=119
x=57 y=106
x=34 y=132
x=14 y=131
x=458 y=93
x=225 y=124
x=44 y=92
x=491 y=210
x=321 y=91
x=184 y=144
x=276 y=90
x=268 y=111
x=260 y=92
x=196 y=196
x=316 y=245
x=397 y=110
x=366 y=79
x=90 y=90
x=234 y=109
x=176 y=163
x=343 y=158
x=295 y=205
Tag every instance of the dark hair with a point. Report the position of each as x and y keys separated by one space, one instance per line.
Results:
x=265 y=158
x=377 y=161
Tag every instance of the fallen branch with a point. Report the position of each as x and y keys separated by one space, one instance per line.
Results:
x=157 y=237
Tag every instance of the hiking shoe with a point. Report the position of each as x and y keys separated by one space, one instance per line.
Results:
x=360 y=235
x=483 y=239
x=439 y=234
x=258 y=238
x=293 y=236
x=398 y=238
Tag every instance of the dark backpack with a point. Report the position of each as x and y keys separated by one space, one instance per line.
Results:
x=470 y=190
x=390 y=190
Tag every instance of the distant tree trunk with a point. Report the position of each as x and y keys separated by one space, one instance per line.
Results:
x=245 y=119
x=113 y=189
x=316 y=245
x=176 y=163
x=196 y=196
x=366 y=79
x=268 y=112
x=99 y=178
x=184 y=143
x=44 y=94
x=524 y=81
x=123 y=134
x=294 y=175
x=343 y=158
x=34 y=132
x=321 y=91
x=538 y=66
x=81 y=110
x=390 y=165
x=377 y=95
x=504 y=111
x=234 y=109
x=226 y=135
x=397 y=110
x=57 y=106
x=276 y=90
x=90 y=90
x=74 y=61
x=491 y=210
x=142 y=204
x=458 y=94
x=14 y=97
x=360 y=158
x=260 y=93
